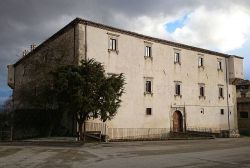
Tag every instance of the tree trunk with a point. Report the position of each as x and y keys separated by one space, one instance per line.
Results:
x=80 y=124
x=84 y=132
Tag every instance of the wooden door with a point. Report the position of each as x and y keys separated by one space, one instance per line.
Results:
x=177 y=122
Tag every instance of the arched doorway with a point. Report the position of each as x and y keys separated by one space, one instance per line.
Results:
x=177 y=122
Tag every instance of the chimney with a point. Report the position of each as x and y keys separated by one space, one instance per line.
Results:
x=32 y=46
x=25 y=52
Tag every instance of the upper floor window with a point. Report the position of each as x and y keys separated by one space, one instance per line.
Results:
x=113 y=44
x=147 y=51
x=148 y=85
x=45 y=58
x=200 y=62
x=202 y=90
x=243 y=94
x=25 y=70
x=221 y=92
x=177 y=57
x=177 y=88
x=219 y=64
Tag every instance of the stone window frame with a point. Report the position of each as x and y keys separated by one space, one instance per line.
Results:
x=150 y=79
x=202 y=85
x=177 y=56
x=45 y=58
x=219 y=65
x=221 y=91
x=178 y=91
x=112 y=36
x=149 y=111
x=201 y=61
x=25 y=69
x=148 y=54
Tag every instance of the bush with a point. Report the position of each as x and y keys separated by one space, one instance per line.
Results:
x=29 y=123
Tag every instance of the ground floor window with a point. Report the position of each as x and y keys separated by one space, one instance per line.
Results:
x=148 y=111
x=243 y=114
x=222 y=111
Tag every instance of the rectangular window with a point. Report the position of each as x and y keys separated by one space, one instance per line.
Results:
x=148 y=86
x=221 y=94
x=148 y=111
x=243 y=114
x=24 y=70
x=200 y=62
x=202 y=91
x=219 y=65
x=222 y=111
x=177 y=58
x=178 y=89
x=113 y=44
x=45 y=58
x=243 y=94
x=148 y=51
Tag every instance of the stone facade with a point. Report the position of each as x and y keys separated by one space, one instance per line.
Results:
x=243 y=107
x=162 y=77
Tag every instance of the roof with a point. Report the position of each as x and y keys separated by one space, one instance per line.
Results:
x=244 y=82
x=118 y=30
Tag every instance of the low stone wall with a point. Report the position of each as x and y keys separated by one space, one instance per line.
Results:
x=137 y=133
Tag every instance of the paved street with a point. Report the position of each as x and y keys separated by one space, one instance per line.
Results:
x=227 y=153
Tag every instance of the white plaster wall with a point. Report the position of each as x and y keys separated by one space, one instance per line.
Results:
x=236 y=68
x=130 y=61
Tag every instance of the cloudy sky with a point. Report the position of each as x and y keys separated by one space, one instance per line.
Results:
x=220 y=25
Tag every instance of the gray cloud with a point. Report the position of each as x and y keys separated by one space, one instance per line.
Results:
x=23 y=22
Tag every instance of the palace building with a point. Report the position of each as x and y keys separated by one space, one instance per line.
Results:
x=169 y=86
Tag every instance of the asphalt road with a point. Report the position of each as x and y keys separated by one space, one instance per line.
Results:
x=228 y=153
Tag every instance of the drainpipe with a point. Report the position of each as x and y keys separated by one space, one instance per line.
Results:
x=227 y=81
x=85 y=41
x=185 y=123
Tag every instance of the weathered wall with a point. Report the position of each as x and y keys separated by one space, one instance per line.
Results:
x=244 y=123
x=243 y=105
x=33 y=69
x=161 y=68
x=11 y=78
x=235 y=68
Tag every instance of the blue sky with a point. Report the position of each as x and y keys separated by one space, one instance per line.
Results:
x=222 y=26
x=173 y=25
x=5 y=93
x=243 y=51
